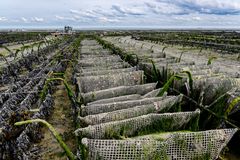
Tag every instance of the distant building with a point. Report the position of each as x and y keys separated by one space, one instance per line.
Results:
x=68 y=29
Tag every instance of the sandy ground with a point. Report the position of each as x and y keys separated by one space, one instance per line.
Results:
x=61 y=119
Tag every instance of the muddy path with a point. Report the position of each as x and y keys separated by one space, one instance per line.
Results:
x=61 y=120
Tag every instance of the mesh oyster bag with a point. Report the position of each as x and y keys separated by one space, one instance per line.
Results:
x=117 y=99
x=109 y=107
x=102 y=72
x=156 y=107
x=94 y=83
x=181 y=146
x=117 y=91
x=141 y=125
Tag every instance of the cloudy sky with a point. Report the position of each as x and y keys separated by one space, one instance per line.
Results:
x=120 y=13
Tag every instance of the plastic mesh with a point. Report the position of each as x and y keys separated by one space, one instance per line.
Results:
x=118 y=65
x=109 y=107
x=181 y=146
x=155 y=107
x=140 y=125
x=102 y=72
x=94 y=83
x=118 y=91
x=117 y=99
x=153 y=93
x=99 y=61
x=211 y=86
x=118 y=118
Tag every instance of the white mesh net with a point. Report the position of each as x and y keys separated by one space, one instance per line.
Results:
x=94 y=83
x=117 y=99
x=118 y=91
x=122 y=108
x=181 y=146
x=109 y=107
x=102 y=72
x=155 y=107
x=140 y=125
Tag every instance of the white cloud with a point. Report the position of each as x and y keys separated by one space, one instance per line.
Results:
x=2 y=19
x=104 y=12
x=136 y=10
x=107 y=20
x=37 y=19
x=76 y=17
x=90 y=14
x=221 y=4
x=189 y=18
x=73 y=11
x=139 y=13
x=196 y=18
x=61 y=18
x=31 y=19
x=220 y=7
x=25 y=20
x=165 y=8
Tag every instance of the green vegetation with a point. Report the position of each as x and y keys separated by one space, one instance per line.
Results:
x=178 y=60
x=156 y=72
x=190 y=82
x=7 y=49
x=168 y=84
x=165 y=47
x=232 y=104
x=210 y=60
x=68 y=152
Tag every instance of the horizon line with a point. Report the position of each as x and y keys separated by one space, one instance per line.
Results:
x=121 y=28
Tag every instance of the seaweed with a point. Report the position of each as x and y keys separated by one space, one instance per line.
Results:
x=167 y=85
